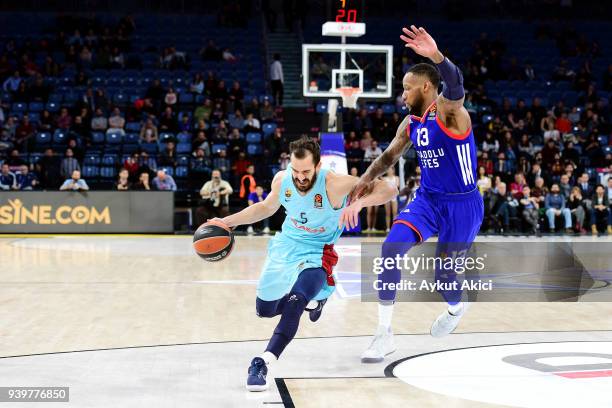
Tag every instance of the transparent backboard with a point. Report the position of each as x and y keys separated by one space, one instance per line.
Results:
x=326 y=67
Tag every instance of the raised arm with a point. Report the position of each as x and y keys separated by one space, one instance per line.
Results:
x=400 y=143
x=260 y=210
x=450 y=103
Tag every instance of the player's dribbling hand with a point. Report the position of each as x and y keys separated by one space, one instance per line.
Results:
x=220 y=221
x=350 y=215
x=420 y=41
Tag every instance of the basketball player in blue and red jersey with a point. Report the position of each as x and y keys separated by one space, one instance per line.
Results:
x=298 y=268
x=448 y=202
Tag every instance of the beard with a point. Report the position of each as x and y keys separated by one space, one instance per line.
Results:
x=417 y=107
x=306 y=186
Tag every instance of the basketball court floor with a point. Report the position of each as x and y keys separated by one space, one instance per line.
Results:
x=141 y=321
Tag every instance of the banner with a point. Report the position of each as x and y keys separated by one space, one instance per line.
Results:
x=332 y=152
x=86 y=212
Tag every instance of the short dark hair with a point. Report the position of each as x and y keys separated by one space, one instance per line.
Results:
x=426 y=70
x=276 y=57
x=303 y=145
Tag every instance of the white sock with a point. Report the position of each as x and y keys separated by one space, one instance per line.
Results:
x=268 y=357
x=456 y=310
x=385 y=313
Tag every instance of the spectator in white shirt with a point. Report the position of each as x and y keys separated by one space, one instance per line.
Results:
x=251 y=124
x=277 y=80
x=75 y=183
x=372 y=152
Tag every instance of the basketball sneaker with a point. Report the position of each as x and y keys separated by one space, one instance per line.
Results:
x=446 y=323
x=315 y=313
x=266 y=230
x=250 y=230
x=382 y=345
x=256 y=381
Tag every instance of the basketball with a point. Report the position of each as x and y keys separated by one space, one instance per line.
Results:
x=213 y=241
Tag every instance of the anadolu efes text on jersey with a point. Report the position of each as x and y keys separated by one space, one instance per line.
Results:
x=448 y=161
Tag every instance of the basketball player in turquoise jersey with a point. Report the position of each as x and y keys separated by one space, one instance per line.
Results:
x=300 y=258
x=447 y=202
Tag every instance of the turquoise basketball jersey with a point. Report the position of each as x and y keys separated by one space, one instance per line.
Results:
x=311 y=218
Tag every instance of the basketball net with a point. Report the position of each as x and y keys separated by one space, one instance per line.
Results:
x=349 y=96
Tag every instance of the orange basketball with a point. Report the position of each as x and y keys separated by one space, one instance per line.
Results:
x=213 y=241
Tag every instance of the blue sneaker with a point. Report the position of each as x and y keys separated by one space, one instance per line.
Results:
x=256 y=381
x=315 y=313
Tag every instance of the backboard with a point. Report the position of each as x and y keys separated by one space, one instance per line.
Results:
x=326 y=67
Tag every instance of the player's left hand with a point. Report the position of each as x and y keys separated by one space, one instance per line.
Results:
x=420 y=41
x=350 y=215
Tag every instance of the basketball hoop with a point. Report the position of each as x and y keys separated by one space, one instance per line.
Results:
x=349 y=96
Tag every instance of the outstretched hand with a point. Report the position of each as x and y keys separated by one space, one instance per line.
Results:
x=421 y=42
x=362 y=188
x=350 y=216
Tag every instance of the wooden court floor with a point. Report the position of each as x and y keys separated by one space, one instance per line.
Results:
x=141 y=321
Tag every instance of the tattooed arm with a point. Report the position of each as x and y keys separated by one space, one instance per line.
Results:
x=400 y=143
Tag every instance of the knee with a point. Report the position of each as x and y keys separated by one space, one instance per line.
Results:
x=264 y=309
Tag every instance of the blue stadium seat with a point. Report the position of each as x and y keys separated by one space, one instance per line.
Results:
x=34 y=158
x=91 y=160
x=109 y=160
x=603 y=140
x=371 y=107
x=216 y=148
x=321 y=108
x=90 y=172
x=19 y=107
x=184 y=137
x=165 y=136
x=253 y=137
x=168 y=169
x=150 y=148
x=182 y=148
x=133 y=127
x=131 y=138
x=97 y=137
x=268 y=128
x=60 y=137
x=186 y=98
x=182 y=160
x=181 y=172
x=36 y=107
x=108 y=172
x=388 y=109
x=53 y=107
x=43 y=138
x=114 y=137
x=254 y=149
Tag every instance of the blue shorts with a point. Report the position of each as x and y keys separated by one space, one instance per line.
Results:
x=456 y=218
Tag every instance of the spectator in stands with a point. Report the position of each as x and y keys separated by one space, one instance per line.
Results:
x=221 y=133
x=253 y=107
x=201 y=142
x=116 y=122
x=228 y=56
x=237 y=121
x=100 y=100
x=255 y=197
x=490 y=144
x=185 y=124
x=69 y=164
x=585 y=188
x=570 y=154
x=251 y=123
x=211 y=52
x=220 y=93
x=197 y=84
x=8 y=181
x=563 y=124
x=266 y=112
x=123 y=183
x=222 y=163
x=155 y=92
x=354 y=155
x=516 y=187
x=600 y=210
x=577 y=208
x=530 y=209
x=168 y=155
x=148 y=133
x=277 y=143
x=215 y=198
x=75 y=183
x=79 y=128
x=25 y=179
x=167 y=121
x=247 y=184
x=235 y=144
x=555 y=206
x=277 y=80
x=549 y=153
x=501 y=207
x=502 y=167
x=132 y=166
x=143 y=182
x=99 y=123
x=283 y=161
x=565 y=186
x=203 y=111
x=199 y=167
x=372 y=153
x=164 y=182
x=11 y=84
x=236 y=95
x=170 y=99
x=24 y=134
x=391 y=206
x=484 y=181
x=366 y=140
x=548 y=127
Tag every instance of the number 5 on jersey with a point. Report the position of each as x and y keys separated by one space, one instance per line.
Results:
x=422 y=137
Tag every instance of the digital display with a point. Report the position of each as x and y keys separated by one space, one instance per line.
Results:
x=347 y=11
